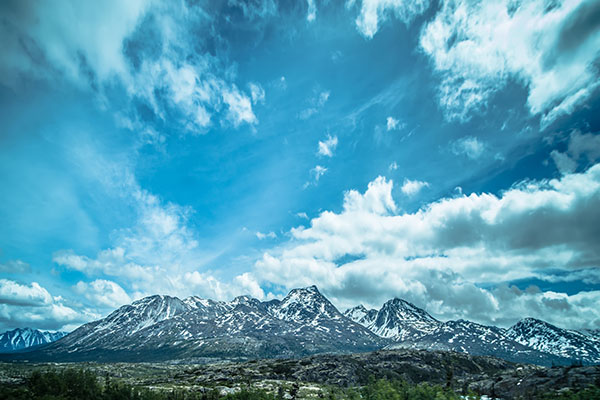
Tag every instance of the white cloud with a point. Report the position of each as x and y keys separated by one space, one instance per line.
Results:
x=302 y=215
x=249 y=285
x=469 y=146
x=270 y=235
x=103 y=293
x=318 y=171
x=580 y=146
x=584 y=144
x=376 y=200
x=374 y=12
x=393 y=166
x=89 y=45
x=393 y=124
x=327 y=147
x=311 y=14
x=410 y=188
x=323 y=97
x=316 y=103
x=443 y=255
x=257 y=93
x=477 y=48
x=15 y=267
x=14 y=293
x=66 y=34
x=564 y=163
x=33 y=306
x=155 y=252
x=240 y=107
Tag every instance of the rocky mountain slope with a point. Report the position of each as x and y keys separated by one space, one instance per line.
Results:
x=302 y=323
x=163 y=327
x=469 y=337
x=397 y=320
x=22 y=338
x=548 y=338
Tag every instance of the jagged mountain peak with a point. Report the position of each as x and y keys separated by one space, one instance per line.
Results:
x=405 y=310
x=358 y=308
x=397 y=319
x=543 y=336
x=304 y=304
x=245 y=300
x=21 y=338
x=361 y=315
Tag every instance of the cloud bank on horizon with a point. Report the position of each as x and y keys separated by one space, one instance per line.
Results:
x=444 y=152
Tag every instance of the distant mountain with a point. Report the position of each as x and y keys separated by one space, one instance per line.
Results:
x=548 y=338
x=302 y=323
x=22 y=338
x=397 y=319
x=476 y=339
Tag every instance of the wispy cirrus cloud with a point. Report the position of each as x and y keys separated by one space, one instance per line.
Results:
x=144 y=47
x=374 y=12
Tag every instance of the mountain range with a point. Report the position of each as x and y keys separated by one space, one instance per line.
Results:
x=22 y=338
x=303 y=323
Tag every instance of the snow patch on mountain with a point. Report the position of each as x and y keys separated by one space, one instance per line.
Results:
x=22 y=338
x=541 y=335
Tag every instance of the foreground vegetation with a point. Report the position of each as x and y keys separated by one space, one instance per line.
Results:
x=71 y=384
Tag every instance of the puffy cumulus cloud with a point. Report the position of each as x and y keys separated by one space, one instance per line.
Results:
x=469 y=146
x=582 y=147
x=249 y=285
x=327 y=147
x=31 y=305
x=456 y=255
x=376 y=200
x=15 y=267
x=16 y=294
x=374 y=12
x=550 y=48
x=410 y=188
x=103 y=293
x=145 y=47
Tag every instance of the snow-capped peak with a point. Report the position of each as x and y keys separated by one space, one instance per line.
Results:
x=361 y=315
x=399 y=320
x=305 y=304
x=543 y=336
x=143 y=313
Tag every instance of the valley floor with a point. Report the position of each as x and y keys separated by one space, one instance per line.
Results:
x=324 y=376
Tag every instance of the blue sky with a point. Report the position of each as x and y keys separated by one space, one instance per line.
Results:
x=440 y=151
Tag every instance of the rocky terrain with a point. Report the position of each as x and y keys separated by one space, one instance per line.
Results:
x=315 y=375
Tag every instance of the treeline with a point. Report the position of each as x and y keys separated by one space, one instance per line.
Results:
x=73 y=384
